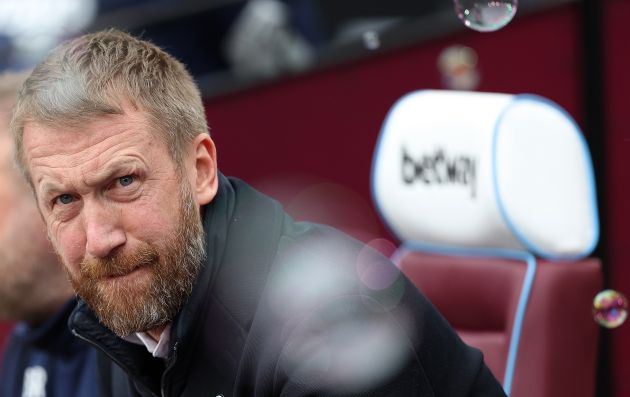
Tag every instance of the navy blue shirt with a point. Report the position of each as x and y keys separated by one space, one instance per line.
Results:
x=48 y=361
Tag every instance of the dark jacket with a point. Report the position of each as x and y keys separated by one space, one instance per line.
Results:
x=48 y=360
x=284 y=308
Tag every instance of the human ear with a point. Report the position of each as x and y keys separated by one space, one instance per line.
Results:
x=206 y=181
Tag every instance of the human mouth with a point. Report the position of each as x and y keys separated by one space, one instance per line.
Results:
x=134 y=272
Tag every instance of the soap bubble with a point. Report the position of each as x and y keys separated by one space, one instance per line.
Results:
x=610 y=308
x=485 y=15
x=375 y=273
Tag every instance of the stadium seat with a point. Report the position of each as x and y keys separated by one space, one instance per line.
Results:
x=493 y=200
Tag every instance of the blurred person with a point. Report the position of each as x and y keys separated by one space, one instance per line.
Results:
x=42 y=357
x=193 y=283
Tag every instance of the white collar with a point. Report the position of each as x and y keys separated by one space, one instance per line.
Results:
x=157 y=348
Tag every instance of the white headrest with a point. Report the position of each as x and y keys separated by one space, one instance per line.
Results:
x=486 y=170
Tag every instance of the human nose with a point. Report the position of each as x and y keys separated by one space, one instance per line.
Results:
x=104 y=232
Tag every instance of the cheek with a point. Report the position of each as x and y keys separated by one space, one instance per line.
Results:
x=69 y=242
x=152 y=219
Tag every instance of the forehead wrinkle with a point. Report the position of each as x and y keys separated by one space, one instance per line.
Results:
x=88 y=157
x=94 y=145
x=109 y=169
x=54 y=173
x=59 y=178
x=51 y=134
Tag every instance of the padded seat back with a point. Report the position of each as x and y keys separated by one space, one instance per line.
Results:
x=493 y=200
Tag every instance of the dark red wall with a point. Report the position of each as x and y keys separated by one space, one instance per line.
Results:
x=322 y=127
x=617 y=102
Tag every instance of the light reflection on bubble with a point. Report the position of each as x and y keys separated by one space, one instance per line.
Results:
x=306 y=280
x=610 y=308
x=382 y=245
x=373 y=271
x=341 y=334
x=346 y=353
x=485 y=15
x=383 y=283
x=388 y=298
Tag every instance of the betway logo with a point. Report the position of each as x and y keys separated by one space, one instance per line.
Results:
x=440 y=169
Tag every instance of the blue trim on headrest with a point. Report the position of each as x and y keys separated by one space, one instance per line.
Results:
x=528 y=282
x=589 y=172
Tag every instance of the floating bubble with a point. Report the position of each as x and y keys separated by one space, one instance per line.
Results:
x=373 y=271
x=371 y=40
x=343 y=350
x=485 y=15
x=610 y=308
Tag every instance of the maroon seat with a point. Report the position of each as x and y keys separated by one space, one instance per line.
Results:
x=479 y=297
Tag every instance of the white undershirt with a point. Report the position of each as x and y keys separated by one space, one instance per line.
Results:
x=157 y=348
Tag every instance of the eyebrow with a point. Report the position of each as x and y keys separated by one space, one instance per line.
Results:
x=96 y=178
x=49 y=188
x=110 y=170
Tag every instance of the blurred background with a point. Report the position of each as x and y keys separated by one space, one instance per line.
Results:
x=297 y=90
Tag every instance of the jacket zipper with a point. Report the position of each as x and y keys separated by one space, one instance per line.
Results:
x=171 y=362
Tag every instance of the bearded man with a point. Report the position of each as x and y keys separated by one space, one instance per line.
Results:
x=193 y=283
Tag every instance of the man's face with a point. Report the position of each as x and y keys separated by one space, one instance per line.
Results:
x=121 y=216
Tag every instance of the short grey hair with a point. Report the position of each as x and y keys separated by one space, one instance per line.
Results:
x=95 y=74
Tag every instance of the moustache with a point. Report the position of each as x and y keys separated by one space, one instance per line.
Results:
x=119 y=264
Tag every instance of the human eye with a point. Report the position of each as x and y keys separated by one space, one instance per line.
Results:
x=126 y=180
x=64 y=199
x=124 y=187
x=63 y=207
